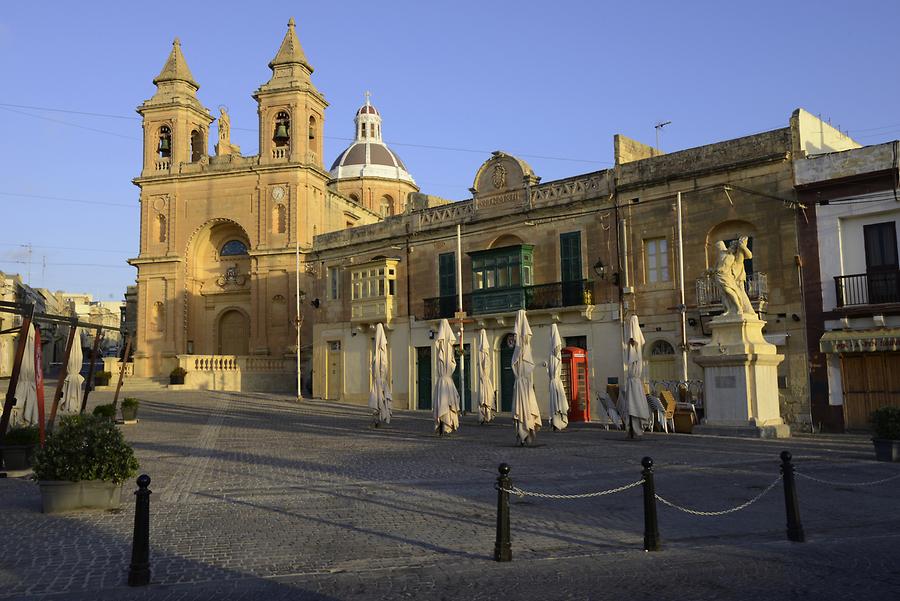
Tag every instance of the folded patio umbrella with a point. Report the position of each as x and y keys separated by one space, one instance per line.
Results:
x=526 y=415
x=380 y=386
x=559 y=404
x=486 y=397
x=445 y=397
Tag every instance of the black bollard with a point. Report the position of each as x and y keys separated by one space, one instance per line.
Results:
x=791 y=506
x=502 y=546
x=651 y=526
x=139 y=571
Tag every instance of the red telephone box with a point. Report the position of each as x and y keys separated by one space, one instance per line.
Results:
x=577 y=383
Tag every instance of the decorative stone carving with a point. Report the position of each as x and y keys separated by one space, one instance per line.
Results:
x=498 y=177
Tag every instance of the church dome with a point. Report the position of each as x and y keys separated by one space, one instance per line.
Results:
x=368 y=155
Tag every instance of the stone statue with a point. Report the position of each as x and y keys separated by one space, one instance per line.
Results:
x=731 y=278
x=224 y=145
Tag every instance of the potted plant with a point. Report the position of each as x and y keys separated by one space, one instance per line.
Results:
x=101 y=378
x=886 y=423
x=83 y=465
x=176 y=376
x=129 y=408
x=105 y=411
x=19 y=446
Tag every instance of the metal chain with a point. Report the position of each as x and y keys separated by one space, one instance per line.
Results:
x=725 y=511
x=871 y=483
x=515 y=490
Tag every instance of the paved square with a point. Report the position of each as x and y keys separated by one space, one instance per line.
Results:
x=258 y=497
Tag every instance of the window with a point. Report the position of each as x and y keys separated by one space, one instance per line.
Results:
x=312 y=128
x=447 y=274
x=509 y=267
x=334 y=283
x=354 y=198
x=373 y=282
x=386 y=207
x=881 y=246
x=233 y=248
x=279 y=219
x=570 y=256
x=161 y=222
x=656 y=260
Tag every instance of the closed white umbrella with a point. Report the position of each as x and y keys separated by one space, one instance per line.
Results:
x=633 y=400
x=486 y=396
x=26 y=388
x=380 y=387
x=526 y=414
x=445 y=397
x=71 y=393
x=559 y=404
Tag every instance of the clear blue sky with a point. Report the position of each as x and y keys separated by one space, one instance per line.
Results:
x=545 y=80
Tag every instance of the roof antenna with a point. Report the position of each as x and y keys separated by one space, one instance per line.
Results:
x=658 y=127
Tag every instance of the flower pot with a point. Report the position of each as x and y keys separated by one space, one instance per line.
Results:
x=18 y=456
x=176 y=379
x=129 y=413
x=59 y=496
x=98 y=381
x=886 y=449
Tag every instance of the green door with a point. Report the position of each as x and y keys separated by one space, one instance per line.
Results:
x=468 y=359
x=507 y=379
x=423 y=377
x=570 y=268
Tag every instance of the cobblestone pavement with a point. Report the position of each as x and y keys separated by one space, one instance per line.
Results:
x=259 y=497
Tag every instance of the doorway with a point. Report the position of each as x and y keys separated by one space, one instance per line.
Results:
x=335 y=372
x=234 y=333
x=423 y=377
x=507 y=378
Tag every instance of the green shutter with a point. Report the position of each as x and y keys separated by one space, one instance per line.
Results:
x=570 y=256
x=447 y=274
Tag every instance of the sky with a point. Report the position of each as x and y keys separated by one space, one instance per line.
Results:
x=550 y=82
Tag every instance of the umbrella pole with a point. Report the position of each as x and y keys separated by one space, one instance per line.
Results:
x=63 y=374
x=17 y=367
x=121 y=373
x=90 y=378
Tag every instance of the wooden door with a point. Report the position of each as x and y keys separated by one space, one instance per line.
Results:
x=423 y=377
x=870 y=381
x=335 y=373
x=234 y=333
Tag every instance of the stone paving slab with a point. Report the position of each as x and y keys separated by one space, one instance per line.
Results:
x=256 y=496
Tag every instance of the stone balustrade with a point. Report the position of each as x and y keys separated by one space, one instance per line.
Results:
x=112 y=365
x=238 y=372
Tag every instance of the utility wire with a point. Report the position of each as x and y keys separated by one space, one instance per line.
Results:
x=78 y=200
x=102 y=250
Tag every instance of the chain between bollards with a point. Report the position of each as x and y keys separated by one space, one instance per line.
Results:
x=139 y=571
x=651 y=526
x=792 y=507
x=502 y=546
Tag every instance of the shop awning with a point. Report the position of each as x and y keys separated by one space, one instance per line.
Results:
x=860 y=341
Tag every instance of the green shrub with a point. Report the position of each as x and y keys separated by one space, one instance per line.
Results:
x=23 y=435
x=129 y=402
x=178 y=372
x=886 y=421
x=105 y=411
x=85 y=447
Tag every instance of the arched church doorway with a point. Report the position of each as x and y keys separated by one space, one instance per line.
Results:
x=662 y=361
x=234 y=333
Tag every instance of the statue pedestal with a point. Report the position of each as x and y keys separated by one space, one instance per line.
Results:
x=740 y=378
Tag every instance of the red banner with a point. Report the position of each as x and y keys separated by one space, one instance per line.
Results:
x=39 y=382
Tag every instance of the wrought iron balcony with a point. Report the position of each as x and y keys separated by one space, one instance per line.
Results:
x=708 y=293
x=875 y=288
x=504 y=300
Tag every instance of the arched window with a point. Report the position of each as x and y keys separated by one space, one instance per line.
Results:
x=196 y=146
x=165 y=142
x=233 y=248
x=354 y=198
x=282 y=133
x=161 y=223
x=661 y=348
x=386 y=206
x=279 y=220
x=312 y=129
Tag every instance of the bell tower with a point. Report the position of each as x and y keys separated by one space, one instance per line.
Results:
x=291 y=109
x=176 y=125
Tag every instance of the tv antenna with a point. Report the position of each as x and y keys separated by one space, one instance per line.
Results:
x=658 y=127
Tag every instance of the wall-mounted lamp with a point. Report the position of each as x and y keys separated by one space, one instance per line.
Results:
x=795 y=317
x=692 y=322
x=600 y=269
x=315 y=303
x=431 y=334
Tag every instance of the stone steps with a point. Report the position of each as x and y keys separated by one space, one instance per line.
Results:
x=136 y=383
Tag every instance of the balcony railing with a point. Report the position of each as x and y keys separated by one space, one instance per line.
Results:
x=875 y=288
x=504 y=300
x=708 y=292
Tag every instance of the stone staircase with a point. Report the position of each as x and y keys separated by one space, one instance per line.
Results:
x=136 y=383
